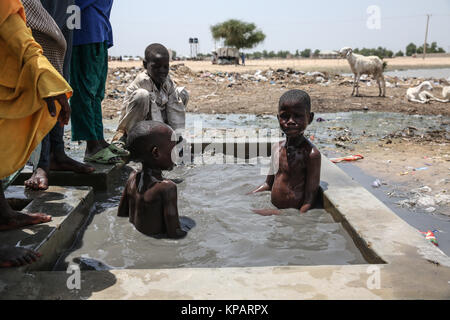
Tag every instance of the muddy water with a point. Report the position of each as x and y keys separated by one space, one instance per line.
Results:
x=371 y=125
x=226 y=232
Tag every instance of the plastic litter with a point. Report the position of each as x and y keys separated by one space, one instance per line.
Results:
x=376 y=183
x=429 y=235
x=349 y=158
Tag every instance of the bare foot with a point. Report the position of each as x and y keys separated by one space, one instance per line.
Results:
x=267 y=212
x=61 y=162
x=38 y=181
x=15 y=220
x=16 y=256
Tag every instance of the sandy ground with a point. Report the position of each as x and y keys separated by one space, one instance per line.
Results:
x=230 y=89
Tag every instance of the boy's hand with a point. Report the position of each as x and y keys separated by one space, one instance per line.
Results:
x=305 y=208
x=64 y=114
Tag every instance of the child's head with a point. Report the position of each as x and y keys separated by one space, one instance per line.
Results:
x=294 y=112
x=152 y=142
x=157 y=62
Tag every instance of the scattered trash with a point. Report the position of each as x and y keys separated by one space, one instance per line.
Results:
x=430 y=209
x=421 y=169
x=376 y=183
x=349 y=158
x=320 y=120
x=429 y=235
x=424 y=201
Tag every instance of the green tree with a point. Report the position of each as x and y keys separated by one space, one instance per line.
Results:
x=306 y=53
x=316 y=53
x=238 y=34
x=399 y=54
x=411 y=49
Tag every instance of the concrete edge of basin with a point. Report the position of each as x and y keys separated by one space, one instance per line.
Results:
x=379 y=233
x=69 y=207
x=409 y=266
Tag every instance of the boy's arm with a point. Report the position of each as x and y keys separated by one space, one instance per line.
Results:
x=312 y=179
x=124 y=209
x=170 y=198
x=267 y=185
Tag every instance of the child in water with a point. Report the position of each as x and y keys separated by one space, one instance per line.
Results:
x=149 y=200
x=295 y=176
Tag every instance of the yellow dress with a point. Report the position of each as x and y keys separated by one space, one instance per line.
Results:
x=26 y=77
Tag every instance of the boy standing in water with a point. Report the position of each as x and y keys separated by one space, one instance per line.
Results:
x=149 y=200
x=296 y=182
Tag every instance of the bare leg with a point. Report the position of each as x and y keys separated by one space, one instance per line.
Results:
x=10 y=219
x=16 y=256
x=38 y=180
x=59 y=161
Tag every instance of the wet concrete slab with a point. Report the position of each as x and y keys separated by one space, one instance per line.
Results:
x=100 y=179
x=69 y=208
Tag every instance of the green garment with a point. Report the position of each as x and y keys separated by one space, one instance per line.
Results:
x=89 y=69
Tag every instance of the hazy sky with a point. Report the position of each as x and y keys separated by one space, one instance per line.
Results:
x=288 y=24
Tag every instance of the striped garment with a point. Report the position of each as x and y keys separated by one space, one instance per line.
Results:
x=46 y=32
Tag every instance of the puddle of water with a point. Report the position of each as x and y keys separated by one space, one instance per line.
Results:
x=418 y=219
x=227 y=233
x=373 y=125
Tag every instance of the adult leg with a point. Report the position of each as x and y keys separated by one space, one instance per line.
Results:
x=59 y=161
x=39 y=178
x=11 y=219
x=88 y=77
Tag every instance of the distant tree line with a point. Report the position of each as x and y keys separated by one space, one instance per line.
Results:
x=380 y=52
x=413 y=49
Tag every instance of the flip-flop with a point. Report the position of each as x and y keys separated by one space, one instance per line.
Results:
x=104 y=156
x=118 y=147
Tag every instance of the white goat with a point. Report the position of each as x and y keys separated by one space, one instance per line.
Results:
x=420 y=95
x=365 y=65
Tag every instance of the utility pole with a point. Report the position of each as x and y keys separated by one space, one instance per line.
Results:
x=426 y=37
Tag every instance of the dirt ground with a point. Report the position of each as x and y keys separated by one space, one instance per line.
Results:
x=230 y=89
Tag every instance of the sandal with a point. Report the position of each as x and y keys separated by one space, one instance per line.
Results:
x=118 y=147
x=104 y=156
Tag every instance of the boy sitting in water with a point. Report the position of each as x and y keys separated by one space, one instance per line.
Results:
x=294 y=182
x=149 y=200
x=153 y=96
